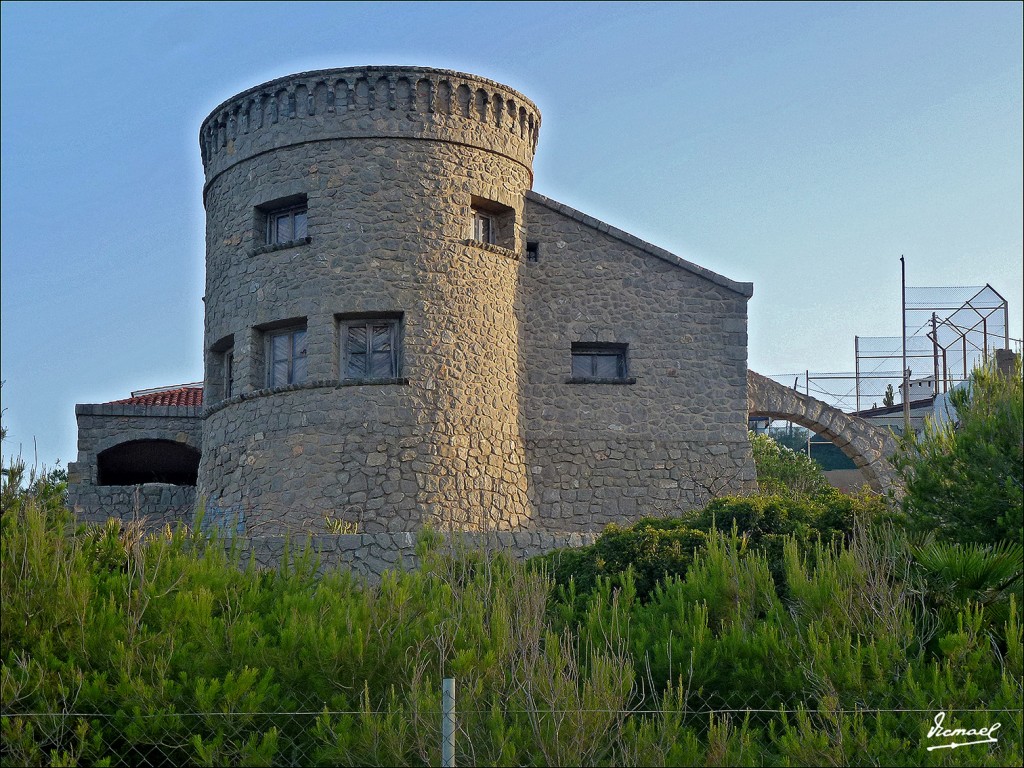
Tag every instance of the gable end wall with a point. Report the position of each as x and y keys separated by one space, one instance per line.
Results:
x=601 y=453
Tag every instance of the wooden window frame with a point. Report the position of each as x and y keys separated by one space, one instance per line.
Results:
x=492 y=223
x=274 y=215
x=291 y=332
x=480 y=220
x=594 y=350
x=394 y=325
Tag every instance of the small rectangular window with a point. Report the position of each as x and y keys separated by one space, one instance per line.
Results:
x=532 y=251
x=492 y=223
x=483 y=227
x=606 y=362
x=369 y=349
x=286 y=357
x=286 y=225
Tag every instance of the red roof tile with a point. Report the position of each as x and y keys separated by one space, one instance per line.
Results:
x=188 y=396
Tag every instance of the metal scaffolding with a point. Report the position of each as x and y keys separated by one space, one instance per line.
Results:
x=950 y=331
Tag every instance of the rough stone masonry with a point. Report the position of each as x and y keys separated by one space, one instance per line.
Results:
x=399 y=332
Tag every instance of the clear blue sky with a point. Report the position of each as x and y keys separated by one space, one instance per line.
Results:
x=802 y=147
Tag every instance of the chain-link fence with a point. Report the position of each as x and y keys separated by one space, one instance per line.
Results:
x=949 y=332
x=693 y=732
x=119 y=649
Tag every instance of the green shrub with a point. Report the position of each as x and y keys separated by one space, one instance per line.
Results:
x=119 y=649
x=957 y=576
x=656 y=548
x=162 y=649
x=652 y=548
x=965 y=481
x=781 y=470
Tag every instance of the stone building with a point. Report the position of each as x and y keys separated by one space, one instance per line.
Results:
x=400 y=332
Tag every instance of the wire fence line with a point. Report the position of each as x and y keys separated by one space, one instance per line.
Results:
x=439 y=712
x=330 y=736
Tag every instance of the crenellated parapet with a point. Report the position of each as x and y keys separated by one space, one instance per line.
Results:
x=390 y=169
x=399 y=333
x=364 y=102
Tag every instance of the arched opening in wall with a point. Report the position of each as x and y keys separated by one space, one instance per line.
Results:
x=148 y=461
x=869 y=447
x=839 y=468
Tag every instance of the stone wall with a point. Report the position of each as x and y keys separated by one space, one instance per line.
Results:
x=103 y=426
x=364 y=554
x=390 y=175
x=674 y=434
x=158 y=504
x=480 y=428
x=370 y=555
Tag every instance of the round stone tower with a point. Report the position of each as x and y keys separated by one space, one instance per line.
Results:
x=363 y=236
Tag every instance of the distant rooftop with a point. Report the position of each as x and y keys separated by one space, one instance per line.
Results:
x=891 y=410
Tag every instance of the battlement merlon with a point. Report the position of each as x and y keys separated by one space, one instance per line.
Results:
x=370 y=102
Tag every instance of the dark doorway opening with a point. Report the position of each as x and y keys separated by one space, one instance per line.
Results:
x=148 y=461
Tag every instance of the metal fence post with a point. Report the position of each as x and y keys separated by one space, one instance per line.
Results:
x=448 y=723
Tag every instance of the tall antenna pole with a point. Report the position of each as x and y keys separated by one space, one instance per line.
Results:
x=906 y=371
x=807 y=391
x=856 y=363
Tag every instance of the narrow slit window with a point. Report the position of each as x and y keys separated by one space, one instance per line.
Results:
x=229 y=373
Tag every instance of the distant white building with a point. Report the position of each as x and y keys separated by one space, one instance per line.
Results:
x=919 y=388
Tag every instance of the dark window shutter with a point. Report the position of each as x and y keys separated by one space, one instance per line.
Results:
x=581 y=366
x=356 y=349
x=381 y=352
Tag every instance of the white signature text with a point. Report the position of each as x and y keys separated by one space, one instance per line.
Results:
x=979 y=735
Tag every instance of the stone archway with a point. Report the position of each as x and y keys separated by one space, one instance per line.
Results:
x=866 y=445
x=136 y=462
